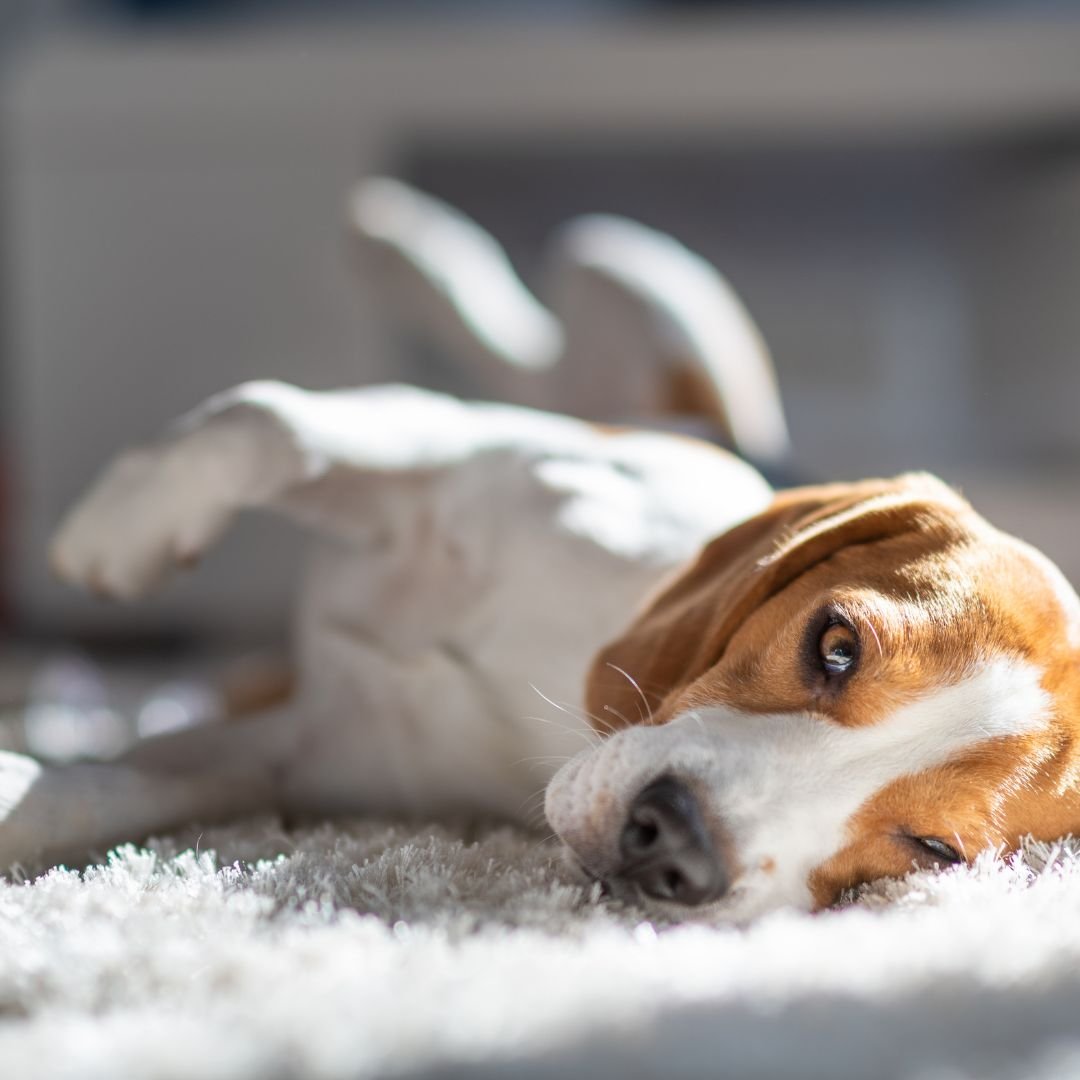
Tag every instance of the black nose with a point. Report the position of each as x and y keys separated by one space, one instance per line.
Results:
x=665 y=849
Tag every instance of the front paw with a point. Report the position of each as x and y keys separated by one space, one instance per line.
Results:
x=153 y=509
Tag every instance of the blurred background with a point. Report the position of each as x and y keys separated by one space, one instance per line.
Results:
x=893 y=188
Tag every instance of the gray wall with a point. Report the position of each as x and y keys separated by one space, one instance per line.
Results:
x=899 y=203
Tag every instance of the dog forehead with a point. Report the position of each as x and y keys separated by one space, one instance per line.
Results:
x=971 y=595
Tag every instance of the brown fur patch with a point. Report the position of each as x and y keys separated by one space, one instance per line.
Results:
x=932 y=590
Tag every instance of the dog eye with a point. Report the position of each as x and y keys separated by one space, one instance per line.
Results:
x=939 y=849
x=838 y=648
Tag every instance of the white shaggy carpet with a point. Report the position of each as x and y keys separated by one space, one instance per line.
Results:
x=360 y=949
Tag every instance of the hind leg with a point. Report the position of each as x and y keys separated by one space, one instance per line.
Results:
x=351 y=466
x=459 y=536
x=51 y=813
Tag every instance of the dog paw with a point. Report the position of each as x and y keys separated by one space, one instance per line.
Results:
x=153 y=509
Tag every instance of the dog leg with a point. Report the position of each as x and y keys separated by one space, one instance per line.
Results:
x=638 y=327
x=322 y=458
x=161 y=506
x=49 y=813
x=459 y=537
x=446 y=277
x=367 y=468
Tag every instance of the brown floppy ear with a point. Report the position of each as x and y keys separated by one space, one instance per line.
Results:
x=684 y=628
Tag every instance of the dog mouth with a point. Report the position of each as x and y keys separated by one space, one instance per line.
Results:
x=588 y=800
x=640 y=826
x=638 y=831
x=576 y=868
x=603 y=887
x=583 y=806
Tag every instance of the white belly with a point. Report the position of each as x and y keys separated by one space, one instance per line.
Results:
x=436 y=664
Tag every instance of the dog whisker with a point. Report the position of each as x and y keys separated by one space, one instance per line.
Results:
x=533 y=802
x=647 y=716
x=873 y=631
x=543 y=759
x=959 y=844
x=539 y=843
x=579 y=714
x=590 y=737
x=615 y=712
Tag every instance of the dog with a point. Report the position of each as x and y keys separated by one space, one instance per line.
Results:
x=780 y=695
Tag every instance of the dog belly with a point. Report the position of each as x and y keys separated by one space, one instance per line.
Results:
x=433 y=730
x=443 y=661
x=419 y=696
x=413 y=735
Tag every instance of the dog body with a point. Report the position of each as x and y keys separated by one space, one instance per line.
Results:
x=779 y=697
x=805 y=691
x=468 y=561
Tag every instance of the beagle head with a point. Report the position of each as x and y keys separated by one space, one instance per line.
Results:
x=862 y=679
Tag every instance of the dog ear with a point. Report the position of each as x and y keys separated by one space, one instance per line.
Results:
x=685 y=627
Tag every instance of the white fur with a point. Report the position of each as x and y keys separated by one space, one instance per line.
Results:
x=464 y=554
x=466 y=557
x=630 y=308
x=784 y=787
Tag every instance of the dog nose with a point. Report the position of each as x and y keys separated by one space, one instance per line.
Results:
x=665 y=849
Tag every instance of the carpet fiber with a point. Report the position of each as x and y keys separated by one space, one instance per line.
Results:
x=364 y=949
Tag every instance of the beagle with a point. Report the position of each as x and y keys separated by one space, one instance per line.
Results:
x=783 y=695
x=779 y=696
